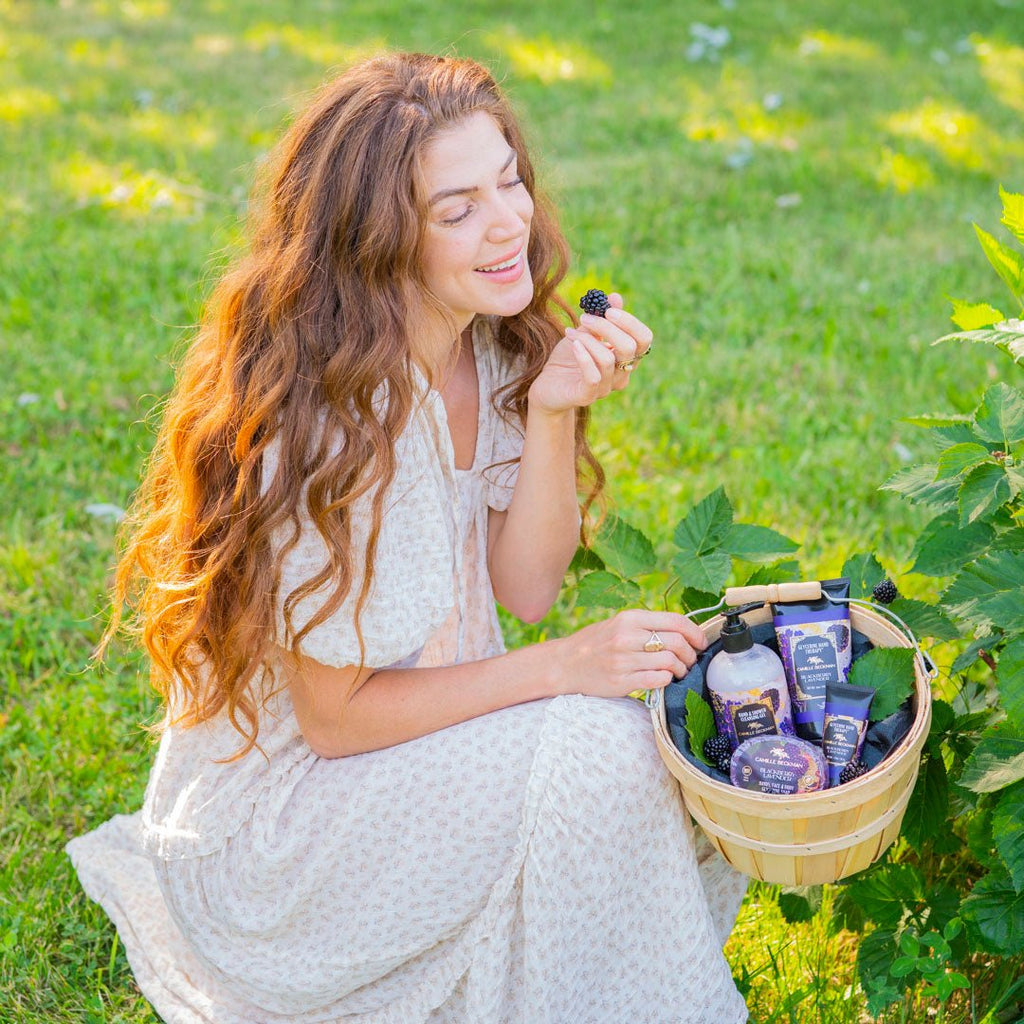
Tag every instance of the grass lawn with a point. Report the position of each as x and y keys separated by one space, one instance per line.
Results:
x=788 y=207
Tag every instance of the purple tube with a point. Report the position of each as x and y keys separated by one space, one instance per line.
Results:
x=846 y=725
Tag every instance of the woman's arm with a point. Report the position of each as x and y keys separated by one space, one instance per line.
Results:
x=343 y=711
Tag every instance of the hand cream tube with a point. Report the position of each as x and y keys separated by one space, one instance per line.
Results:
x=846 y=725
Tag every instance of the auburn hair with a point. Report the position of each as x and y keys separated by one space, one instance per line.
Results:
x=297 y=338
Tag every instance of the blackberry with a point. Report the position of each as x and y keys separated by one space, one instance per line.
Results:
x=595 y=302
x=852 y=770
x=885 y=592
x=718 y=749
x=723 y=763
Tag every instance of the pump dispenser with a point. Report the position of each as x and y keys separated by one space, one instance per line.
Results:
x=747 y=684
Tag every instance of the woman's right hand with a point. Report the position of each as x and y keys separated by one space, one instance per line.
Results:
x=607 y=659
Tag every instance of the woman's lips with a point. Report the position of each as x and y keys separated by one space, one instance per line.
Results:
x=511 y=268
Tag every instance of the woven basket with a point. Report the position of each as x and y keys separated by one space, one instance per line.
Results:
x=807 y=838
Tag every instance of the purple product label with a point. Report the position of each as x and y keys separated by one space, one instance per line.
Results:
x=781 y=765
x=753 y=713
x=814 y=652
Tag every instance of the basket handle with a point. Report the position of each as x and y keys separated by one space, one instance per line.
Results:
x=774 y=592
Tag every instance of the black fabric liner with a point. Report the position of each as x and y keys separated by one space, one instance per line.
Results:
x=882 y=737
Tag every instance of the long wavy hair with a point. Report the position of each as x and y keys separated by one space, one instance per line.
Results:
x=297 y=339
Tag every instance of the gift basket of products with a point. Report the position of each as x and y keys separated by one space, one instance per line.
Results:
x=797 y=771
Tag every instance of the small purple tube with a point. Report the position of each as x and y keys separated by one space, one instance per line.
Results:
x=846 y=725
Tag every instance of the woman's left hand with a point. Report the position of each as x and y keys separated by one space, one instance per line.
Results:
x=591 y=361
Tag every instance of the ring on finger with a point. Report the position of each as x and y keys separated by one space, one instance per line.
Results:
x=627 y=364
x=654 y=643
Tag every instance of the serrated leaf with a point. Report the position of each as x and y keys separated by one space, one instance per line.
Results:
x=875 y=952
x=1008 y=831
x=777 y=572
x=984 y=490
x=700 y=724
x=925 y=619
x=919 y=485
x=1009 y=540
x=969 y=655
x=980 y=840
x=886 y=890
x=996 y=763
x=1011 y=342
x=1006 y=262
x=606 y=590
x=944 y=548
x=928 y=804
x=703 y=572
x=800 y=903
x=994 y=913
x=691 y=600
x=889 y=671
x=1013 y=212
x=969 y=316
x=990 y=592
x=624 y=549
x=705 y=525
x=584 y=560
x=961 y=457
x=864 y=571
x=756 y=543
x=1000 y=416
x=960 y=432
x=1011 y=679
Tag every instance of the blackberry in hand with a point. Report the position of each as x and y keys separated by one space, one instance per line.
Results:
x=852 y=770
x=718 y=751
x=595 y=302
x=885 y=592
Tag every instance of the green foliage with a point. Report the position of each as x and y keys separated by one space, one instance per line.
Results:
x=889 y=671
x=700 y=723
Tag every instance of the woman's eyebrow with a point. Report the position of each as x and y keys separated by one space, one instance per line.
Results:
x=445 y=193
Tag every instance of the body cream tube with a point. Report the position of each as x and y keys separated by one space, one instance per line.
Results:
x=846 y=725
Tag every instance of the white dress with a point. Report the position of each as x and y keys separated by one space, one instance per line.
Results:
x=532 y=865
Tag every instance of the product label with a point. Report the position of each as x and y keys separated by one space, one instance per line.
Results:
x=814 y=654
x=841 y=738
x=747 y=713
x=753 y=719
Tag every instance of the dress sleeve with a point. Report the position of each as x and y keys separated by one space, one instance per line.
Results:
x=413 y=575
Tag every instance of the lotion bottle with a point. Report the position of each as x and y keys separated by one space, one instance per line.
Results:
x=747 y=685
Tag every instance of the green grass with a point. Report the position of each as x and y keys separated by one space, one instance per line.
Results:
x=789 y=338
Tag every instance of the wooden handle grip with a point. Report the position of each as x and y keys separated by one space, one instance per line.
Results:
x=774 y=592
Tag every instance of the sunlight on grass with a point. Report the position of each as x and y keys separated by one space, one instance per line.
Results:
x=144 y=10
x=821 y=42
x=962 y=138
x=215 y=46
x=733 y=109
x=1002 y=67
x=901 y=172
x=123 y=188
x=159 y=126
x=92 y=53
x=548 y=61
x=26 y=102
x=313 y=44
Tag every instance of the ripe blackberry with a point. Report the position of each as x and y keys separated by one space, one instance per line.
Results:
x=852 y=770
x=717 y=749
x=595 y=302
x=885 y=592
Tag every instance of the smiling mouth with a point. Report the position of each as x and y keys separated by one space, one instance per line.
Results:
x=504 y=265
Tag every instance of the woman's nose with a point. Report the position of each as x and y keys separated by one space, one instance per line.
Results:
x=509 y=218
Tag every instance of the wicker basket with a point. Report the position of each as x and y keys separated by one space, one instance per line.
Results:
x=809 y=838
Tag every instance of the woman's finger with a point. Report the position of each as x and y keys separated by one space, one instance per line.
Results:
x=622 y=344
x=670 y=622
x=589 y=369
x=641 y=334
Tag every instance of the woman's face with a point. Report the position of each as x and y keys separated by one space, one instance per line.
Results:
x=478 y=228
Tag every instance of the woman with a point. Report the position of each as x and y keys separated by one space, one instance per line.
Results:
x=362 y=808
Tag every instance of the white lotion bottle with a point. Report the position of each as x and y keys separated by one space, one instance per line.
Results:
x=747 y=686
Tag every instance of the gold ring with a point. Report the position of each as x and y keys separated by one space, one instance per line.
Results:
x=628 y=364
x=654 y=643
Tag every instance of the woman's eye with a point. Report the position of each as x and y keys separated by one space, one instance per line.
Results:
x=513 y=183
x=458 y=217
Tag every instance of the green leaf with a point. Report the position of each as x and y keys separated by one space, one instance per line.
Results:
x=929 y=803
x=994 y=914
x=919 y=485
x=909 y=945
x=624 y=549
x=886 y=890
x=953 y=929
x=585 y=560
x=704 y=528
x=957 y=460
x=902 y=966
x=700 y=724
x=925 y=619
x=1006 y=262
x=980 y=838
x=756 y=543
x=989 y=593
x=889 y=671
x=961 y=432
x=606 y=590
x=996 y=762
x=967 y=657
x=1008 y=832
x=691 y=600
x=1011 y=679
x=863 y=571
x=944 y=548
x=875 y=953
x=969 y=316
x=1009 y=540
x=943 y=719
x=1000 y=416
x=703 y=572
x=800 y=903
x=1013 y=212
x=937 y=419
x=984 y=490
x=777 y=572
x=1011 y=342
